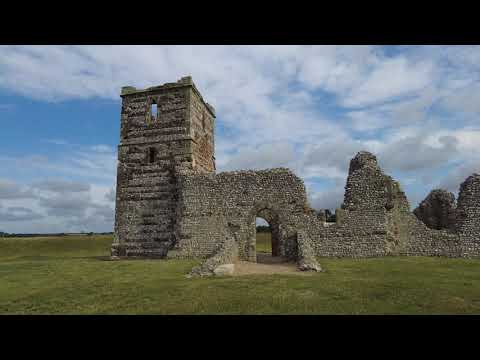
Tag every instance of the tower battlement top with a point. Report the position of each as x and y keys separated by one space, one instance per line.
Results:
x=184 y=81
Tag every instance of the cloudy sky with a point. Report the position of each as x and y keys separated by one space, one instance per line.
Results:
x=309 y=108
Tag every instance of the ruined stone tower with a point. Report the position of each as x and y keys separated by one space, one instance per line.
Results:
x=170 y=202
x=165 y=130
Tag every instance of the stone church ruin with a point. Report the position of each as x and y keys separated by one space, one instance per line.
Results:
x=171 y=203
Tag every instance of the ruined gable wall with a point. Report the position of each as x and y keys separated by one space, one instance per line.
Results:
x=468 y=208
x=468 y=216
x=375 y=220
x=409 y=236
x=462 y=239
x=212 y=206
x=361 y=227
x=437 y=210
x=430 y=228
x=421 y=240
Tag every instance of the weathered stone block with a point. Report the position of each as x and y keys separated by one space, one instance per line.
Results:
x=226 y=269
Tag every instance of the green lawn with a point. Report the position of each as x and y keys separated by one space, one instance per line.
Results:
x=264 y=243
x=68 y=275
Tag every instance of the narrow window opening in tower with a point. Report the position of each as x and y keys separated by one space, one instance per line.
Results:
x=203 y=121
x=152 y=152
x=154 y=110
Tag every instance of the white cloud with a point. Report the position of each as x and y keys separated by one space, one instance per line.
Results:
x=61 y=186
x=335 y=68
x=11 y=190
x=366 y=121
x=392 y=78
x=16 y=213
x=59 y=204
x=102 y=148
x=264 y=157
x=110 y=195
x=458 y=174
x=413 y=154
x=274 y=106
x=328 y=199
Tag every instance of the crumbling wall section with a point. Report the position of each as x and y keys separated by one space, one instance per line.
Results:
x=169 y=200
x=374 y=220
x=226 y=253
x=468 y=208
x=341 y=240
x=437 y=210
x=214 y=205
x=361 y=227
x=449 y=232
x=423 y=241
x=307 y=260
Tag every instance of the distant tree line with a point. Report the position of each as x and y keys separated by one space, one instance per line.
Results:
x=263 y=229
x=329 y=217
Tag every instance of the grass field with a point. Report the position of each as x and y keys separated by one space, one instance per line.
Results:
x=68 y=275
x=264 y=243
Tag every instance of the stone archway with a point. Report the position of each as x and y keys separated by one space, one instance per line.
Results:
x=273 y=219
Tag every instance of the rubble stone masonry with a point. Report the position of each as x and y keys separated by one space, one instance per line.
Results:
x=171 y=203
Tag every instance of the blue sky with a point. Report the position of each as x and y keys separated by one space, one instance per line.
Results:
x=309 y=108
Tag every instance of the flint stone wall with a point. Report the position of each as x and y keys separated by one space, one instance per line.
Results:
x=176 y=206
x=364 y=222
x=152 y=150
x=461 y=239
x=226 y=253
x=375 y=220
x=214 y=206
x=437 y=210
x=468 y=209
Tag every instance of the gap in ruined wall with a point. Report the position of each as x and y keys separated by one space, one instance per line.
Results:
x=267 y=246
x=329 y=216
x=373 y=220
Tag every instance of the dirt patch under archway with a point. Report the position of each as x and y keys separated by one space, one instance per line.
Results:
x=268 y=265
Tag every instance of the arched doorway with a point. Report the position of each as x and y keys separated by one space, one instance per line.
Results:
x=263 y=238
x=267 y=245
